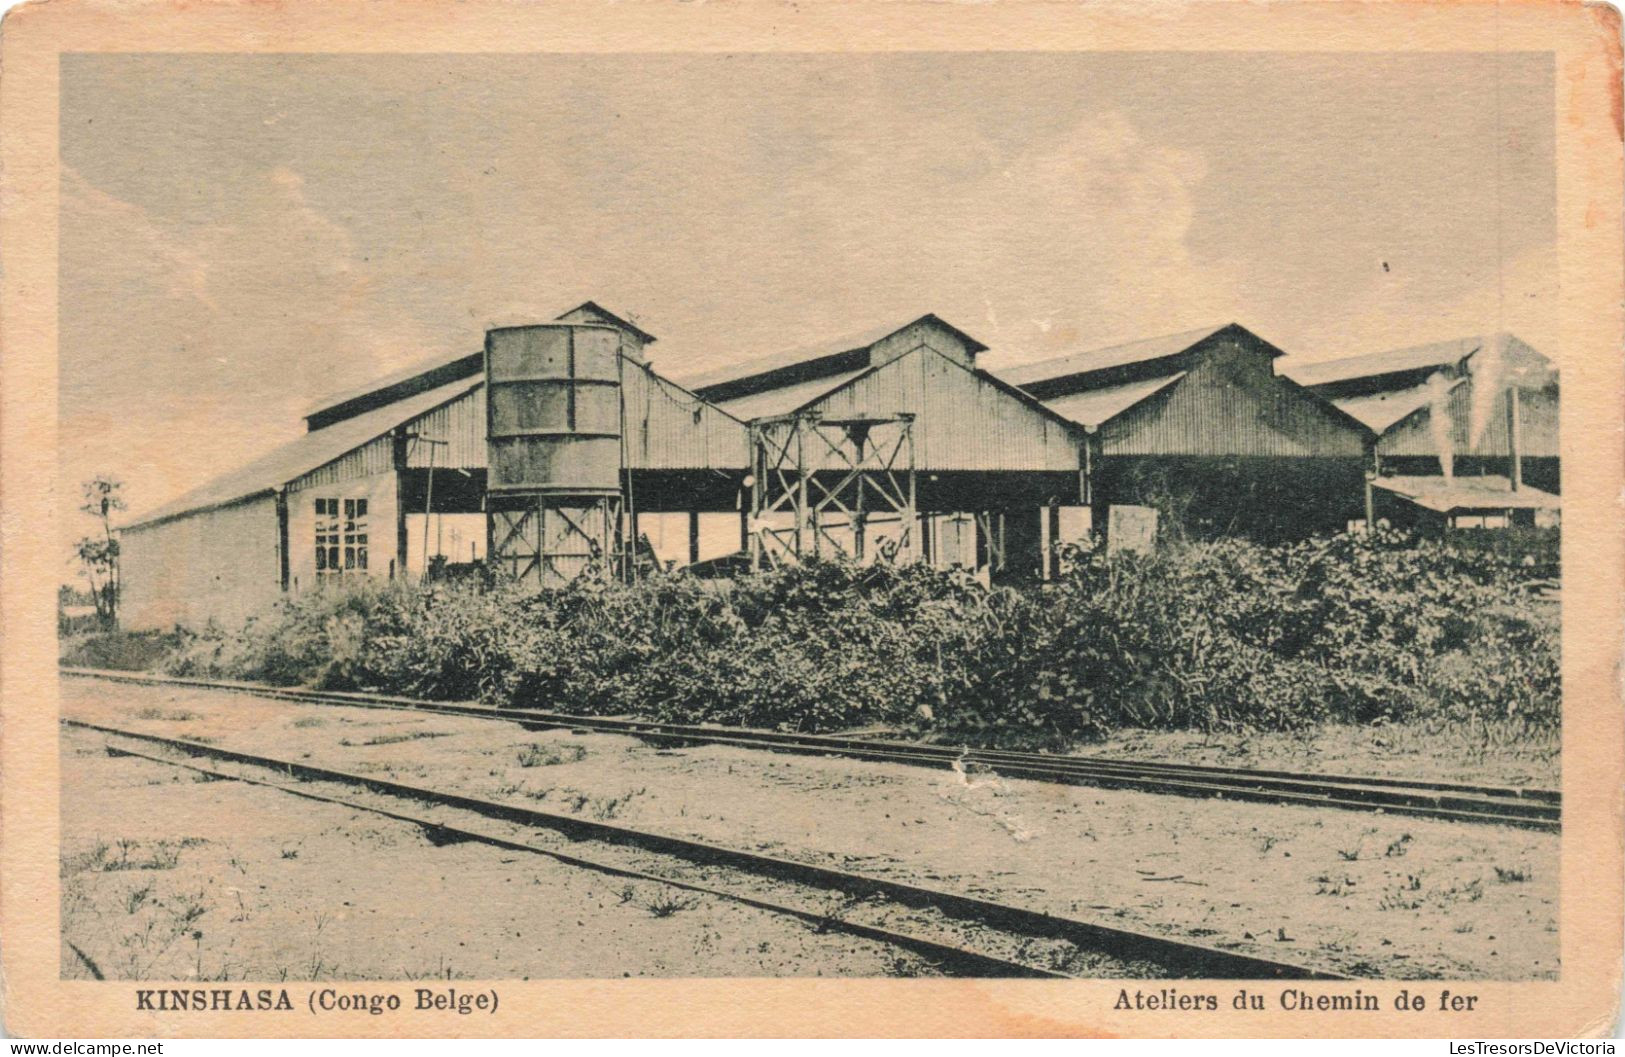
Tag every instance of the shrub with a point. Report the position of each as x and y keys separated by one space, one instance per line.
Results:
x=1210 y=635
x=130 y=651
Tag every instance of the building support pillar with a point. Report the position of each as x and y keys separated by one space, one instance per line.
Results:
x=1514 y=441
x=1052 y=550
x=284 y=562
x=398 y=562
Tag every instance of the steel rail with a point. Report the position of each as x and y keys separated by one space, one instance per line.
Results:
x=965 y=961
x=1179 y=958
x=1505 y=805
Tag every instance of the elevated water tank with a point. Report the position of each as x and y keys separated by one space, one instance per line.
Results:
x=553 y=409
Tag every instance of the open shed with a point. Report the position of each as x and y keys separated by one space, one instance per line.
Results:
x=1433 y=503
x=895 y=438
x=1470 y=401
x=1199 y=425
x=390 y=480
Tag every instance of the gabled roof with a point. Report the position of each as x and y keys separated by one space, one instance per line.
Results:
x=421 y=376
x=1437 y=354
x=598 y=311
x=428 y=373
x=1381 y=411
x=300 y=456
x=1095 y=406
x=787 y=398
x=1519 y=356
x=812 y=356
x=1091 y=360
x=1048 y=375
x=1016 y=393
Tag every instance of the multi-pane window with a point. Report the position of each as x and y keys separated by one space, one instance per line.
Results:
x=327 y=537
x=341 y=541
x=355 y=534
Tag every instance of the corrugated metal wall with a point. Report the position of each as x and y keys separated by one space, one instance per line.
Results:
x=461 y=424
x=668 y=428
x=1232 y=405
x=370 y=459
x=923 y=332
x=964 y=421
x=219 y=564
x=380 y=527
x=1537 y=419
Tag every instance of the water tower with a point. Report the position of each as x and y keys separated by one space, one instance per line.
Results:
x=553 y=429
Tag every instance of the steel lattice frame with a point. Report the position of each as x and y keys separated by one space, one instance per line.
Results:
x=829 y=474
x=550 y=541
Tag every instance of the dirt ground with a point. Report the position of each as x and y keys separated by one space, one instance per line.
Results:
x=1411 y=750
x=1360 y=893
x=169 y=877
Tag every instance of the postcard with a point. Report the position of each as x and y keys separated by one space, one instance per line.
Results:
x=769 y=519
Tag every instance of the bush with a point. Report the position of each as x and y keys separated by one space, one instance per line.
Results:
x=1217 y=635
x=128 y=651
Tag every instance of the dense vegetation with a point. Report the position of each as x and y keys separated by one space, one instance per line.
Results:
x=1220 y=635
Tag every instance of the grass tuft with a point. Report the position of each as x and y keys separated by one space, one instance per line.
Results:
x=665 y=904
x=551 y=755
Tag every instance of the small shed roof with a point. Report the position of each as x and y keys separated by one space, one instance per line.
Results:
x=304 y=454
x=1095 y=406
x=1448 y=495
x=594 y=310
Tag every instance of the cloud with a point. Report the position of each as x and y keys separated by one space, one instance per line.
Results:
x=1096 y=227
x=153 y=258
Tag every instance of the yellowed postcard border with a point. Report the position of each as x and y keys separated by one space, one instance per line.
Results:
x=1585 y=40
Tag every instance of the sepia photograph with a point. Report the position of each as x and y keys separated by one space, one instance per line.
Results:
x=1074 y=515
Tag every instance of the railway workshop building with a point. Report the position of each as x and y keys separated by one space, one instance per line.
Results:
x=559 y=446
x=1467 y=430
x=1201 y=423
x=391 y=480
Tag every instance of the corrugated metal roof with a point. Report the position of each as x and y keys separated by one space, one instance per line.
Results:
x=1393 y=361
x=445 y=359
x=817 y=351
x=1449 y=494
x=783 y=401
x=1111 y=356
x=304 y=454
x=1097 y=405
x=592 y=310
x=1517 y=357
x=1380 y=411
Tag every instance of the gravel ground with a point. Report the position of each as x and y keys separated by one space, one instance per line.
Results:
x=1353 y=892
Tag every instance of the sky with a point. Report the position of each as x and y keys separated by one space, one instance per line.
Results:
x=242 y=235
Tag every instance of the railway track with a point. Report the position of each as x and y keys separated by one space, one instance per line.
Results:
x=959 y=934
x=1463 y=802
